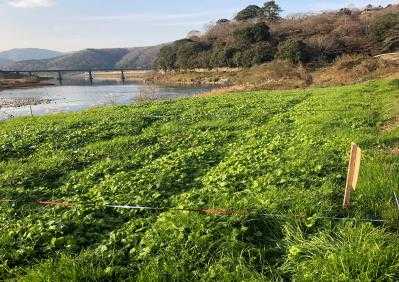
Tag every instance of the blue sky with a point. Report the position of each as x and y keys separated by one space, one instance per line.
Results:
x=69 y=25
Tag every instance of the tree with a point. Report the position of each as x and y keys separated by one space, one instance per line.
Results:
x=187 y=53
x=223 y=21
x=344 y=12
x=193 y=34
x=167 y=58
x=252 y=34
x=254 y=55
x=271 y=11
x=369 y=7
x=249 y=13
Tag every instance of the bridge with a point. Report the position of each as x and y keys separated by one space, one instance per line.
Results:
x=61 y=71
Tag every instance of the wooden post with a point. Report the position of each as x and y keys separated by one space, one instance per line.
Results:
x=31 y=112
x=353 y=174
x=91 y=77
x=396 y=200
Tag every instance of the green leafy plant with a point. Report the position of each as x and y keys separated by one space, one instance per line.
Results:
x=259 y=154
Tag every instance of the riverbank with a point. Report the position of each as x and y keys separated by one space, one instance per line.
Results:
x=139 y=76
x=280 y=75
x=23 y=82
x=21 y=102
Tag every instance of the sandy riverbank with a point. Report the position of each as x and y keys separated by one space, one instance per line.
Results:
x=134 y=76
x=14 y=83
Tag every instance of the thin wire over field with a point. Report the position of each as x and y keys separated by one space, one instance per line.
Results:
x=206 y=211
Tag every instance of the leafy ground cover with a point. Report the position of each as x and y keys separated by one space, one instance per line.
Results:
x=283 y=153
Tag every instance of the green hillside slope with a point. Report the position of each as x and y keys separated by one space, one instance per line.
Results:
x=281 y=154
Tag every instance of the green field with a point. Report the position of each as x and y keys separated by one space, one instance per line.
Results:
x=281 y=153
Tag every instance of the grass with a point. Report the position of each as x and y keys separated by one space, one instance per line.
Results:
x=276 y=152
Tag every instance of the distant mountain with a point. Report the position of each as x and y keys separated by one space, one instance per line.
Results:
x=137 y=58
x=140 y=57
x=89 y=58
x=5 y=62
x=29 y=54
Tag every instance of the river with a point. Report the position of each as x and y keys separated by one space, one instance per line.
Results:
x=79 y=96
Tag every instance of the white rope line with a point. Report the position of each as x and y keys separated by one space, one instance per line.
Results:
x=215 y=211
x=263 y=214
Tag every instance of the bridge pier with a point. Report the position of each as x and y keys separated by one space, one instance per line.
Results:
x=30 y=74
x=91 y=77
x=123 y=77
x=59 y=77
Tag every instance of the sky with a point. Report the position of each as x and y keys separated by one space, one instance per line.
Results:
x=70 y=25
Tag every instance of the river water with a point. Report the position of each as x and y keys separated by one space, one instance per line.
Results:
x=80 y=96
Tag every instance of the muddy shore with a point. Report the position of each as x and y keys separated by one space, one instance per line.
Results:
x=22 y=83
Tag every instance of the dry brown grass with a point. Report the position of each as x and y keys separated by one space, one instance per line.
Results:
x=347 y=69
x=224 y=90
x=138 y=76
x=148 y=93
x=272 y=76
x=350 y=69
x=391 y=124
x=10 y=83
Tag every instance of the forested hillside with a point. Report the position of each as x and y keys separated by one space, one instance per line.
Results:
x=259 y=34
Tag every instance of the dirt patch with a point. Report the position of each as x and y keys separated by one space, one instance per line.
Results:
x=390 y=124
x=389 y=57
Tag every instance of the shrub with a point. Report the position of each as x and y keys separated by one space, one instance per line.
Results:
x=222 y=56
x=385 y=26
x=391 y=44
x=295 y=51
x=254 y=55
x=263 y=52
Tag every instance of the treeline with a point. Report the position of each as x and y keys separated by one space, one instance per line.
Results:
x=258 y=34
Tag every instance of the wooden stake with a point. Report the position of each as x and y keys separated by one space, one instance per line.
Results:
x=396 y=200
x=353 y=174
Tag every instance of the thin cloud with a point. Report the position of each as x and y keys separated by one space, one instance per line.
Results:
x=154 y=17
x=31 y=3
